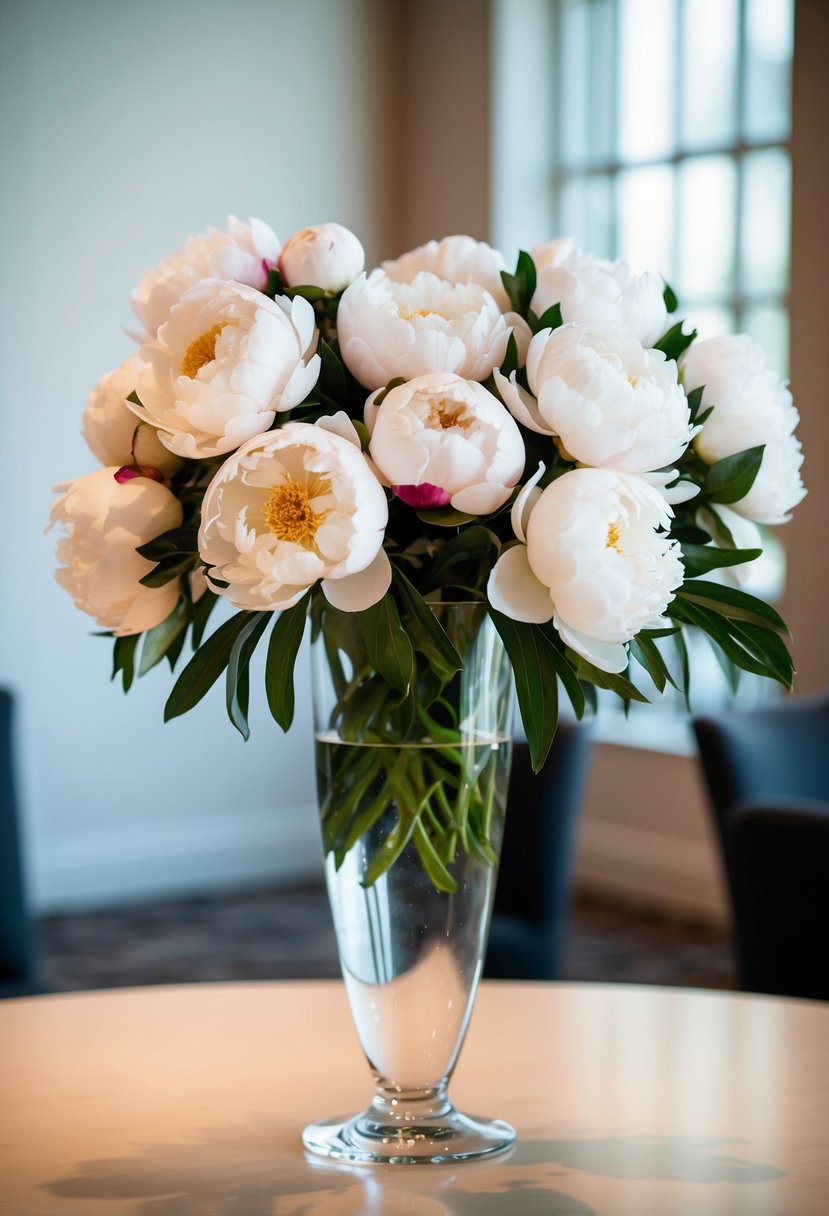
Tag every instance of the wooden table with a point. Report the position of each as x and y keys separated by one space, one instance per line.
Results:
x=189 y=1101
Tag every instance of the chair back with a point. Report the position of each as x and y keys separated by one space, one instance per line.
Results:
x=16 y=948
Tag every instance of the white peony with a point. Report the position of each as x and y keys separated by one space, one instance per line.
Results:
x=225 y=363
x=750 y=407
x=456 y=259
x=389 y=329
x=594 y=561
x=592 y=291
x=112 y=430
x=439 y=439
x=325 y=255
x=611 y=402
x=105 y=521
x=293 y=507
x=243 y=253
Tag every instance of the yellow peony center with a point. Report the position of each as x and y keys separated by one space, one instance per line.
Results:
x=289 y=514
x=633 y=381
x=424 y=312
x=614 y=535
x=448 y=414
x=201 y=351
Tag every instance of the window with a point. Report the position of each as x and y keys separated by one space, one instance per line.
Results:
x=657 y=131
x=671 y=132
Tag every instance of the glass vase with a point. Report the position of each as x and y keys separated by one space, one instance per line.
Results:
x=412 y=790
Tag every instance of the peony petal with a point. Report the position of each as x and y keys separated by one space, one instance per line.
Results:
x=340 y=424
x=521 y=404
x=524 y=503
x=514 y=590
x=481 y=499
x=607 y=656
x=355 y=592
x=423 y=497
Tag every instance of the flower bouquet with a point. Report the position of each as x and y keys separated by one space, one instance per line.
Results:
x=465 y=477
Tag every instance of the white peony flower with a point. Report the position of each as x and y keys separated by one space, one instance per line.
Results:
x=439 y=439
x=611 y=402
x=455 y=259
x=243 y=253
x=750 y=407
x=292 y=507
x=105 y=521
x=325 y=255
x=594 y=562
x=225 y=363
x=389 y=329
x=112 y=430
x=592 y=291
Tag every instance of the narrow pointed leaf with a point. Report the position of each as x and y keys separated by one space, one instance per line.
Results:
x=279 y=669
x=237 y=685
x=205 y=667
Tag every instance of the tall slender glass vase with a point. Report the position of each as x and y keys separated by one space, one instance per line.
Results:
x=412 y=790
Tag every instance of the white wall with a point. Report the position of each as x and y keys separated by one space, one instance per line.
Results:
x=125 y=127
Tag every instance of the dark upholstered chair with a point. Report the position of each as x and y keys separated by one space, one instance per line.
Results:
x=532 y=897
x=767 y=772
x=17 y=963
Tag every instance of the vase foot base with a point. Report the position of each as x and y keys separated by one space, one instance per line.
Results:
x=450 y=1136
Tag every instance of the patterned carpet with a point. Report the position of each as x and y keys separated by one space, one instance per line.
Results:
x=278 y=933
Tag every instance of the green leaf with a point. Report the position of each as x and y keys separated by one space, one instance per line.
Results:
x=237 y=684
x=509 y=363
x=565 y=670
x=733 y=603
x=332 y=377
x=610 y=680
x=200 y=615
x=170 y=568
x=430 y=637
x=432 y=864
x=282 y=651
x=731 y=479
x=520 y=287
x=719 y=629
x=445 y=517
x=701 y=559
x=387 y=643
x=695 y=401
x=134 y=398
x=274 y=286
x=551 y=318
x=531 y=653
x=308 y=291
x=473 y=544
x=157 y=641
x=669 y=296
x=648 y=655
x=674 y=342
x=123 y=659
x=205 y=667
x=178 y=542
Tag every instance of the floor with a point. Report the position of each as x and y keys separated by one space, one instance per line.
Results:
x=278 y=933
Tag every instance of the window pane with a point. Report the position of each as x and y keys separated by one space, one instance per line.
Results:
x=709 y=322
x=646 y=218
x=646 y=74
x=587 y=213
x=707 y=210
x=574 y=108
x=768 y=62
x=602 y=35
x=765 y=231
x=769 y=325
x=710 y=30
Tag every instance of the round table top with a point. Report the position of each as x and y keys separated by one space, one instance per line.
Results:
x=190 y=1101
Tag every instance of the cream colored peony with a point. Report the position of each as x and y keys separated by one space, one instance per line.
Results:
x=105 y=521
x=325 y=255
x=225 y=363
x=440 y=439
x=389 y=329
x=592 y=291
x=297 y=506
x=243 y=253
x=456 y=259
x=612 y=403
x=593 y=559
x=112 y=430
x=751 y=406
